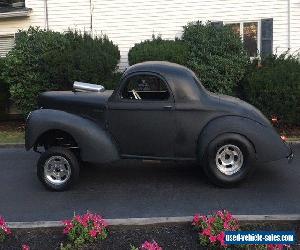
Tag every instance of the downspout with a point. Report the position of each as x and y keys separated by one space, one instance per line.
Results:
x=289 y=25
x=46 y=15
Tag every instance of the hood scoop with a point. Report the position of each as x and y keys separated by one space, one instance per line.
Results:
x=87 y=87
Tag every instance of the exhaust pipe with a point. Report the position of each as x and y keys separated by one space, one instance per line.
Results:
x=88 y=87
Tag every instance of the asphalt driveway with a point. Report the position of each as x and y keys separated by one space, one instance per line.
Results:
x=135 y=189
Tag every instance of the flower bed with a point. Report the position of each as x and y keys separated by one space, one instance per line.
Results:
x=168 y=236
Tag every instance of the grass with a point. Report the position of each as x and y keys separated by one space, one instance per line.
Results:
x=11 y=137
x=12 y=132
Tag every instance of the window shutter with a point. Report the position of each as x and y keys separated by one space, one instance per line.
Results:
x=217 y=24
x=266 y=37
x=6 y=44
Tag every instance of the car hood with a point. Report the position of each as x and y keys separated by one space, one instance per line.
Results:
x=239 y=107
x=69 y=100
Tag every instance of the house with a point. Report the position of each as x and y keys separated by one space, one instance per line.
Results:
x=265 y=26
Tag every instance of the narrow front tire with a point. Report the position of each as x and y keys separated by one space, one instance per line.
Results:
x=58 y=168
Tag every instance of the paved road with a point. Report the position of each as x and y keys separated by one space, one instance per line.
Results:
x=135 y=189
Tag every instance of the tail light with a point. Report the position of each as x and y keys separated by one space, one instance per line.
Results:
x=283 y=138
x=274 y=119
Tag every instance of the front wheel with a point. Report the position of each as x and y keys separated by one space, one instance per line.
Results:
x=229 y=159
x=58 y=168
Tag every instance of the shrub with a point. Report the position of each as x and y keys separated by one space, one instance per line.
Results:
x=25 y=247
x=273 y=86
x=158 y=49
x=47 y=60
x=3 y=90
x=4 y=230
x=84 y=229
x=212 y=228
x=216 y=55
x=147 y=245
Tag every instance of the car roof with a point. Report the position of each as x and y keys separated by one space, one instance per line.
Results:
x=161 y=67
x=180 y=79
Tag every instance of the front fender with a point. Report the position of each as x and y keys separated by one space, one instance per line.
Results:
x=265 y=140
x=95 y=144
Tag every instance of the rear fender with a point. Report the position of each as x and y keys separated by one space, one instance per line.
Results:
x=95 y=144
x=265 y=140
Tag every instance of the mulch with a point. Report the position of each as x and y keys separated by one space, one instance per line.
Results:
x=171 y=236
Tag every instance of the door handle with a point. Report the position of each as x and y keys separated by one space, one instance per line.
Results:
x=168 y=107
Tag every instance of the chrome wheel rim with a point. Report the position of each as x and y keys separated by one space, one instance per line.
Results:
x=57 y=170
x=229 y=159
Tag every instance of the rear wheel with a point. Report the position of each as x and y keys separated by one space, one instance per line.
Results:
x=58 y=168
x=229 y=159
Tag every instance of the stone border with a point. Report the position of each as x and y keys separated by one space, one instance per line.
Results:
x=156 y=220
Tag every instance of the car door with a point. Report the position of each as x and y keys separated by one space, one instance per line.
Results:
x=141 y=116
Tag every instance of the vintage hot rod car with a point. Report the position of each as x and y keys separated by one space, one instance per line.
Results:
x=159 y=111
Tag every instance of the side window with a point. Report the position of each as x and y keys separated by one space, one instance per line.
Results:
x=145 y=87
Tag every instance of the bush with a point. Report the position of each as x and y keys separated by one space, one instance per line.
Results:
x=4 y=230
x=3 y=90
x=158 y=49
x=84 y=229
x=147 y=245
x=47 y=60
x=273 y=86
x=212 y=228
x=216 y=55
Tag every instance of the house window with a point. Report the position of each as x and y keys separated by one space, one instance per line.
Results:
x=7 y=42
x=250 y=35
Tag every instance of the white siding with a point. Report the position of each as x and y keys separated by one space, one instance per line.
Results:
x=295 y=26
x=6 y=44
x=129 y=22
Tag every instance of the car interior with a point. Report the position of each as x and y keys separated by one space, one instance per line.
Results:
x=145 y=87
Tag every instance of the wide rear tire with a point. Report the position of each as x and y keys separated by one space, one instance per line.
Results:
x=229 y=159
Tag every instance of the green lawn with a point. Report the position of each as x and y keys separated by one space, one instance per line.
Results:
x=11 y=137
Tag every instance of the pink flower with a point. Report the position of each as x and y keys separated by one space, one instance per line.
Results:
x=213 y=239
x=228 y=216
x=206 y=231
x=93 y=233
x=7 y=230
x=220 y=238
x=150 y=246
x=3 y=226
x=196 y=219
x=226 y=225
x=68 y=226
x=211 y=220
x=25 y=247
x=277 y=246
x=220 y=214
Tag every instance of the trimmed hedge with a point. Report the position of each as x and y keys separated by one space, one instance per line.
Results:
x=3 y=90
x=216 y=55
x=47 y=60
x=158 y=49
x=273 y=86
